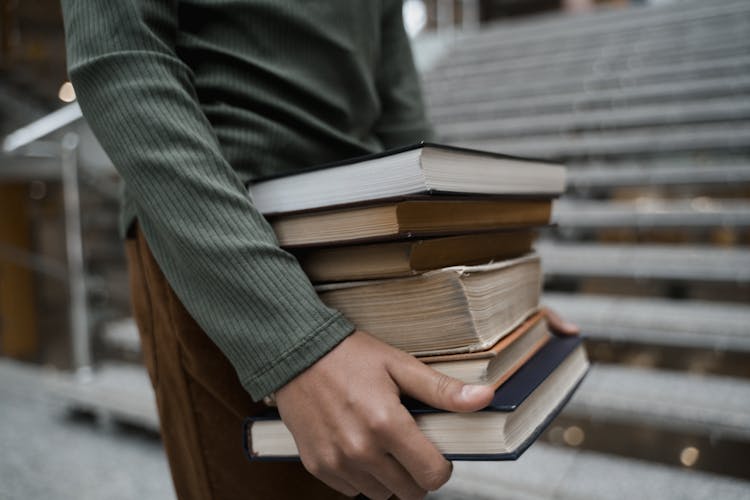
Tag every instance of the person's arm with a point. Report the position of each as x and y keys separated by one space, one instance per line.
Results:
x=215 y=249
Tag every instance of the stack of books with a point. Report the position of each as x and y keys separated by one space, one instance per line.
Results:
x=429 y=248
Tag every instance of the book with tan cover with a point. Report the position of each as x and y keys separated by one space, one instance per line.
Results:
x=412 y=218
x=405 y=258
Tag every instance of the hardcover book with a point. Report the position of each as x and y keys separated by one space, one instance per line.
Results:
x=419 y=217
x=418 y=169
x=410 y=257
x=450 y=310
x=520 y=411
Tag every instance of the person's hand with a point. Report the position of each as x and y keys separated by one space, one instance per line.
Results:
x=352 y=431
x=559 y=326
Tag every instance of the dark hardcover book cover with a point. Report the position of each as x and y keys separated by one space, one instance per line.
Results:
x=515 y=391
x=507 y=398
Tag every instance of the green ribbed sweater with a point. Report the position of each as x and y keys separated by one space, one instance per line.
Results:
x=193 y=99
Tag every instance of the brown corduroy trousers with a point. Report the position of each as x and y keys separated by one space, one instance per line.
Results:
x=201 y=402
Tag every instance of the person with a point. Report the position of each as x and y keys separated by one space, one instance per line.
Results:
x=192 y=100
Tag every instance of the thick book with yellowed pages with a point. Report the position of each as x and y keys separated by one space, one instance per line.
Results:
x=450 y=310
x=405 y=258
x=497 y=364
x=410 y=218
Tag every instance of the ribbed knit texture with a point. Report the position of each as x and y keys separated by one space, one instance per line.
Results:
x=191 y=100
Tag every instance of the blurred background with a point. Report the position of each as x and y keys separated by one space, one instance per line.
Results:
x=647 y=104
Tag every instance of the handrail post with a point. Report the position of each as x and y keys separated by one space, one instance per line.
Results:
x=446 y=16
x=79 y=321
x=470 y=15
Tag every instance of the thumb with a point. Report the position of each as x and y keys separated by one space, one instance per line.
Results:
x=421 y=382
x=558 y=325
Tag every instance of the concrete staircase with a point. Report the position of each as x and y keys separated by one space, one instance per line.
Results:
x=648 y=107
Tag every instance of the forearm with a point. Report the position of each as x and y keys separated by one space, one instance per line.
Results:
x=216 y=250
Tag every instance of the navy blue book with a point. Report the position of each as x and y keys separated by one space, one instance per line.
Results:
x=522 y=408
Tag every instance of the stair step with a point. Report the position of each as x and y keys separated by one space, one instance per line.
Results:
x=552 y=31
x=580 y=100
x=546 y=471
x=655 y=321
x=706 y=405
x=122 y=334
x=647 y=214
x=120 y=391
x=439 y=92
x=603 y=176
x=650 y=115
x=691 y=37
x=644 y=142
x=657 y=262
x=610 y=58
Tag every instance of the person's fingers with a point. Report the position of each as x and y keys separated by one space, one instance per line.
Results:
x=347 y=467
x=392 y=474
x=324 y=467
x=417 y=455
x=409 y=446
x=558 y=325
x=338 y=484
x=366 y=484
x=421 y=382
x=350 y=481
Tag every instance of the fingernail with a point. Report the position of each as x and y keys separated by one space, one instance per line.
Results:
x=471 y=391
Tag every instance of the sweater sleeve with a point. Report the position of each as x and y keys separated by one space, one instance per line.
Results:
x=403 y=119
x=216 y=250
